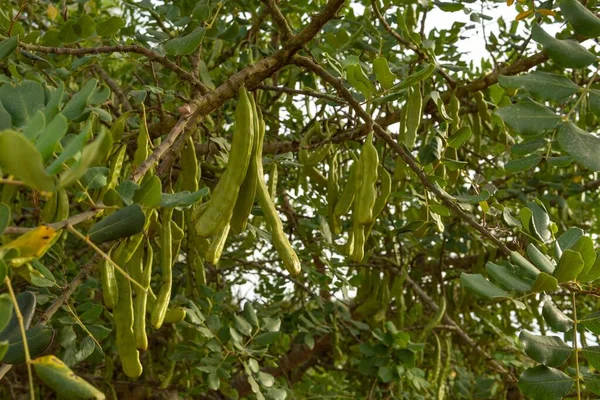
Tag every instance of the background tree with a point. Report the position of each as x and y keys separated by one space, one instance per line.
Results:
x=438 y=216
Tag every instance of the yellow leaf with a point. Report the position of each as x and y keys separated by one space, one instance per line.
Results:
x=52 y=12
x=30 y=245
x=546 y=12
x=510 y=2
x=523 y=15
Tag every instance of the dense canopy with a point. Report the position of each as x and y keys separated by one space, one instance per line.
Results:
x=309 y=199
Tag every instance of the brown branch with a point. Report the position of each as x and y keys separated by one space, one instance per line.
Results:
x=407 y=157
x=158 y=152
x=68 y=290
x=183 y=74
x=311 y=93
x=114 y=86
x=279 y=19
x=74 y=220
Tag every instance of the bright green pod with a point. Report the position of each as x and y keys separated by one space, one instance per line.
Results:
x=414 y=113
x=366 y=196
x=166 y=262
x=346 y=199
x=220 y=207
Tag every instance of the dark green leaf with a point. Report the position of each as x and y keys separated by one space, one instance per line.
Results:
x=4 y=217
x=555 y=318
x=540 y=221
x=8 y=46
x=109 y=26
x=460 y=137
x=473 y=199
x=477 y=284
x=584 y=146
x=541 y=85
x=124 y=223
x=20 y=158
x=583 y=20
x=566 y=53
x=541 y=261
x=185 y=44
x=544 y=283
x=592 y=354
x=591 y=322
x=507 y=277
x=592 y=382
x=149 y=194
x=22 y=101
x=528 y=146
x=75 y=107
x=548 y=350
x=528 y=117
x=523 y=164
x=543 y=383
x=48 y=140
x=569 y=266
x=182 y=199
x=38 y=340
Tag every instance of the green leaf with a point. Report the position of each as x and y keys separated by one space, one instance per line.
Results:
x=544 y=383
x=585 y=247
x=383 y=73
x=385 y=374
x=473 y=199
x=583 y=20
x=38 y=339
x=522 y=164
x=91 y=154
x=85 y=26
x=550 y=351
x=185 y=44
x=75 y=145
x=540 y=221
x=544 y=283
x=432 y=151
x=109 y=26
x=477 y=284
x=528 y=146
x=8 y=46
x=267 y=380
x=460 y=137
x=4 y=217
x=592 y=382
x=594 y=101
x=20 y=158
x=22 y=101
x=528 y=117
x=560 y=162
x=75 y=107
x=3 y=348
x=592 y=354
x=507 y=277
x=411 y=80
x=566 y=53
x=569 y=238
x=265 y=339
x=555 y=318
x=242 y=325
x=51 y=136
x=149 y=194
x=584 y=146
x=250 y=314
x=569 y=266
x=124 y=223
x=357 y=78
x=54 y=373
x=6 y=311
x=593 y=273
x=541 y=85
x=435 y=96
x=590 y=322
x=528 y=268
x=540 y=260
x=182 y=199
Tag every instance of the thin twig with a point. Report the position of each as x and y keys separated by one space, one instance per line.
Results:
x=19 y=316
x=300 y=92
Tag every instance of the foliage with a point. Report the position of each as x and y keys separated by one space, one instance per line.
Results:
x=425 y=225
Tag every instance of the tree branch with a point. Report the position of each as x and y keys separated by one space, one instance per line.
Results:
x=407 y=157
